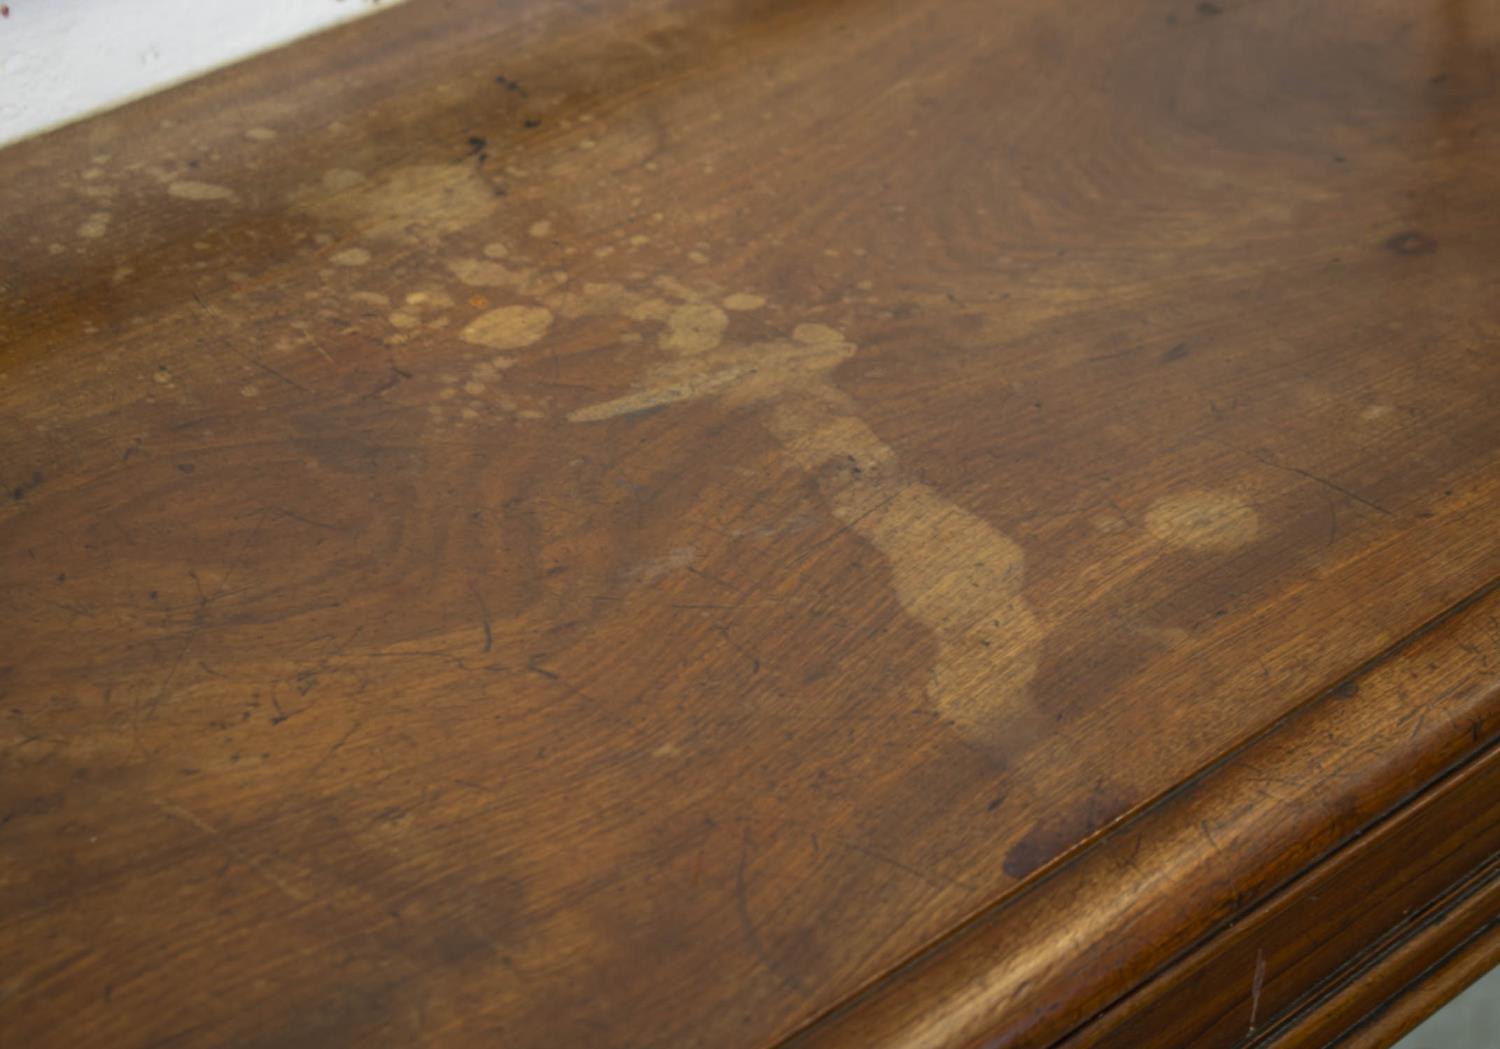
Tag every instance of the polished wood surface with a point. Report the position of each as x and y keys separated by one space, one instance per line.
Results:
x=1354 y=932
x=663 y=523
x=1233 y=892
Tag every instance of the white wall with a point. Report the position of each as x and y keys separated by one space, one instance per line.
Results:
x=65 y=59
x=1468 y=1022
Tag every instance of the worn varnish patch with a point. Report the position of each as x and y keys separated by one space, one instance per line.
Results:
x=509 y=327
x=694 y=328
x=1202 y=520
x=95 y=226
x=953 y=572
x=486 y=273
x=351 y=257
x=187 y=189
x=419 y=201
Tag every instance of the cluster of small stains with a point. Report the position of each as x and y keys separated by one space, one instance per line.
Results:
x=489 y=308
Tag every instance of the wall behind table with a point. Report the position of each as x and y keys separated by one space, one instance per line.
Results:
x=61 y=60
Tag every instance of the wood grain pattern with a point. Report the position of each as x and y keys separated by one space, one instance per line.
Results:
x=630 y=524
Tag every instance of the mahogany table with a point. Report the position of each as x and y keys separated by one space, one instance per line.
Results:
x=755 y=523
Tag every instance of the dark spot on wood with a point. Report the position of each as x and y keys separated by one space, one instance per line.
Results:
x=345 y=1015
x=1411 y=243
x=39 y=805
x=457 y=945
x=1176 y=353
x=19 y=491
x=396 y=375
x=1209 y=9
x=511 y=85
x=186 y=468
x=1050 y=838
x=531 y=122
x=1348 y=690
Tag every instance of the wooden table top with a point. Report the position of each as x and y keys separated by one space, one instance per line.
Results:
x=656 y=523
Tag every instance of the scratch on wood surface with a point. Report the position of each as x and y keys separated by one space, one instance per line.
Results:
x=1348 y=493
x=484 y=615
x=200 y=618
x=183 y=815
x=337 y=746
x=1255 y=987
x=747 y=922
